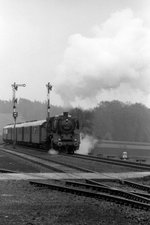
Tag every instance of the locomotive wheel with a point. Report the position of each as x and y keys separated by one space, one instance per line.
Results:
x=70 y=150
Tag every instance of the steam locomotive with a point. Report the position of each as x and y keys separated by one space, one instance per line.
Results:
x=60 y=133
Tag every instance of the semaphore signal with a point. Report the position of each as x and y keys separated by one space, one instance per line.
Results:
x=15 y=113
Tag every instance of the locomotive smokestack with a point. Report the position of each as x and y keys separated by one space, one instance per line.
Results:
x=65 y=114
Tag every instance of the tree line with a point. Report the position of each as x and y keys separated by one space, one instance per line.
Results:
x=116 y=121
x=30 y=110
x=113 y=120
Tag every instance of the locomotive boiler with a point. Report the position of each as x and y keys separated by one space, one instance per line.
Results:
x=60 y=133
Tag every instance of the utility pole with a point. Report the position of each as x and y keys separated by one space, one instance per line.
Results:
x=15 y=113
x=49 y=88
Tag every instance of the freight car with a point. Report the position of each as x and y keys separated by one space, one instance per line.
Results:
x=60 y=133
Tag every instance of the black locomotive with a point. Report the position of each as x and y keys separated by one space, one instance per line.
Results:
x=59 y=133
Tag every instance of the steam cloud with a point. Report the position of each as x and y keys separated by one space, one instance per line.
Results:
x=87 y=144
x=116 y=55
x=52 y=152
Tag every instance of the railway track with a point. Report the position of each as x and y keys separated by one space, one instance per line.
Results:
x=112 y=161
x=58 y=166
x=49 y=163
x=147 y=195
x=117 y=162
x=137 y=200
x=95 y=191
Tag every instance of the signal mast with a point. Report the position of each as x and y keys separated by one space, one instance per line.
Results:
x=49 y=88
x=15 y=113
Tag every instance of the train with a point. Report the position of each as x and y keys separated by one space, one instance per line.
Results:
x=61 y=133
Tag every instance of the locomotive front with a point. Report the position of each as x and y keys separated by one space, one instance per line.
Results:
x=65 y=136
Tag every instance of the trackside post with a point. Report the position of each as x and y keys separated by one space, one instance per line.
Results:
x=15 y=113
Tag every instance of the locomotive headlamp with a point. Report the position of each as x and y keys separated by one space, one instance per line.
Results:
x=59 y=144
x=76 y=144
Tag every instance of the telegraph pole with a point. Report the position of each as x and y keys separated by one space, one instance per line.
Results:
x=15 y=113
x=49 y=88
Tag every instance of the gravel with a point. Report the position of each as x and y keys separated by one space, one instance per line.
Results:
x=23 y=204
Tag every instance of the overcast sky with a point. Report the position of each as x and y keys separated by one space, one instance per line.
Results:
x=90 y=50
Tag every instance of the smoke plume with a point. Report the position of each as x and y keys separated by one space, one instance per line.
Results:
x=116 y=55
x=52 y=152
x=87 y=144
